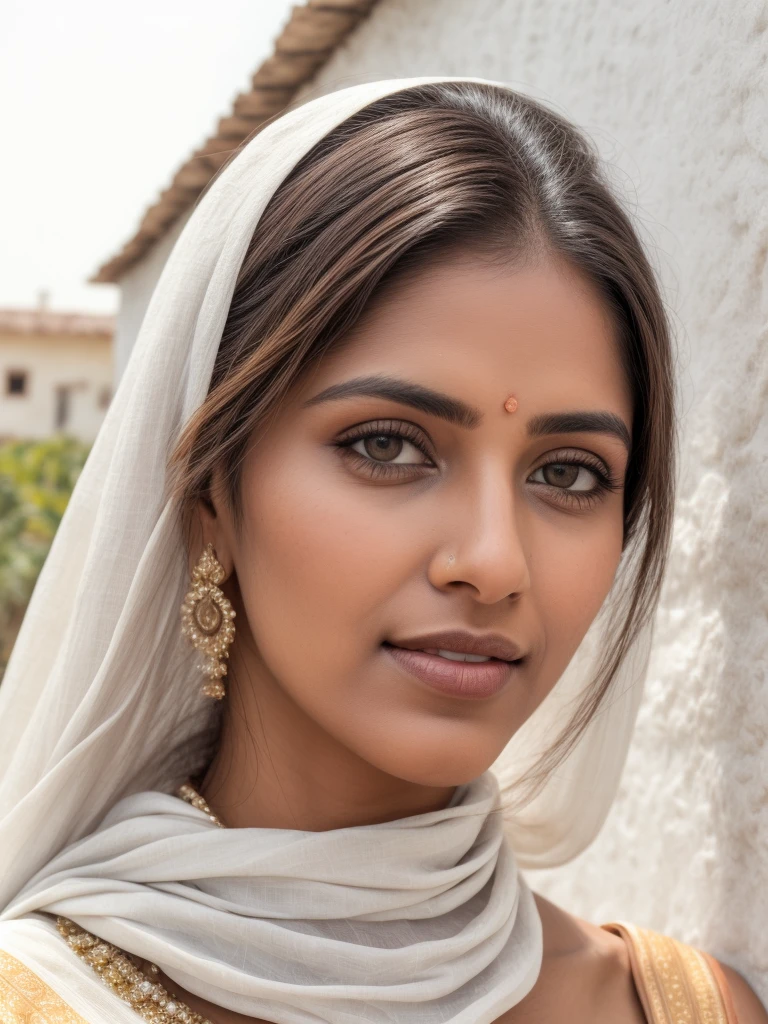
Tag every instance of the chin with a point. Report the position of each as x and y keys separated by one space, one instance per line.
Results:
x=435 y=760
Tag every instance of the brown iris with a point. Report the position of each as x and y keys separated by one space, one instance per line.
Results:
x=561 y=474
x=383 y=447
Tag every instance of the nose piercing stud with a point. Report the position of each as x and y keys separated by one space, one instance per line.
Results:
x=511 y=404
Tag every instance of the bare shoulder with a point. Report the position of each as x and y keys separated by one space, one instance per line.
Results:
x=586 y=975
x=592 y=969
x=749 y=1009
x=565 y=933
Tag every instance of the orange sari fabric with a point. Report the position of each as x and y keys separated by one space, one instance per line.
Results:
x=677 y=984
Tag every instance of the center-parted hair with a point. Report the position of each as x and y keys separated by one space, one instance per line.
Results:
x=423 y=174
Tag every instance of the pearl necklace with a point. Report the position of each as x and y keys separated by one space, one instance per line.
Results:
x=116 y=968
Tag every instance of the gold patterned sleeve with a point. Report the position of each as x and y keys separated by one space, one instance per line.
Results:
x=27 y=999
x=675 y=982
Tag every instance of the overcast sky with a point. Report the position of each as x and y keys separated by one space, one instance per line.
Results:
x=100 y=103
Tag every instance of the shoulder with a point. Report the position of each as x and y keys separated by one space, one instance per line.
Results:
x=25 y=994
x=626 y=967
x=566 y=935
x=748 y=1008
x=42 y=980
x=586 y=973
x=17 y=935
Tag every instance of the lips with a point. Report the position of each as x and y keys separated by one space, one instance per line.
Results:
x=466 y=679
x=492 y=645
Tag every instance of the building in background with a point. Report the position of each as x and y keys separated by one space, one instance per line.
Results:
x=674 y=96
x=56 y=373
x=313 y=33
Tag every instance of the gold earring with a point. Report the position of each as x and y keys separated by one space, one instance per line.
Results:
x=206 y=620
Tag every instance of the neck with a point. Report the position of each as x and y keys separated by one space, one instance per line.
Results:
x=277 y=768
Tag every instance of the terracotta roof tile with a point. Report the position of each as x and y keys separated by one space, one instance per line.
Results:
x=45 y=321
x=310 y=36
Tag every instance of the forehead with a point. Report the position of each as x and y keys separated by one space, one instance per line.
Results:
x=476 y=330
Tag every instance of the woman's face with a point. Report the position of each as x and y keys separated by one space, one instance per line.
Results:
x=394 y=496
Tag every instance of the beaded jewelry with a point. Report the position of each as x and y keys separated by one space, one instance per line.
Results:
x=117 y=969
x=207 y=620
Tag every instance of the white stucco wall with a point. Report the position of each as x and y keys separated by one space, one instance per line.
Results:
x=676 y=96
x=81 y=365
x=136 y=287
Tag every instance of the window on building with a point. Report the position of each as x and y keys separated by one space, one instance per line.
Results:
x=61 y=416
x=105 y=397
x=16 y=382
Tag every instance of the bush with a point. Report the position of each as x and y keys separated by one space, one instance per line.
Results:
x=36 y=480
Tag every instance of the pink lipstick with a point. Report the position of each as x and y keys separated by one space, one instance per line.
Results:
x=448 y=672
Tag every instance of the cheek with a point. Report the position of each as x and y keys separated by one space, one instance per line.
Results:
x=574 y=567
x=320 y=560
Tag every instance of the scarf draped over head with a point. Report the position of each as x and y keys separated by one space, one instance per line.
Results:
x=100 y=685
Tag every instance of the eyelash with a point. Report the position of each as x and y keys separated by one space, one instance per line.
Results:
x=606 y=482
x=384 y=428
x=408 y=432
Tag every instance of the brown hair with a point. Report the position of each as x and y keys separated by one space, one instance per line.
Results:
x=414 y=176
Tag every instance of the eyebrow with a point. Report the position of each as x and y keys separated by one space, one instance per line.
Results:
x=434 y=403
x=581 y=423
x=453 y=410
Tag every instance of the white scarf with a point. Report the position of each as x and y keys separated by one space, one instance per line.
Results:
x=100 y=681
x=425 y=919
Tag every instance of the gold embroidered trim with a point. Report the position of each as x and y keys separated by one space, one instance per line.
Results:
x=117 y=970
x=677 y=981
x=26 y=999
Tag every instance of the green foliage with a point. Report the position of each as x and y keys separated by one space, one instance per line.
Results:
x=36 y=480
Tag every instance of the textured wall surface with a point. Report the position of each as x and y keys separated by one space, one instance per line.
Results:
x=676 y=95
x=82 y=364
x=136 y=287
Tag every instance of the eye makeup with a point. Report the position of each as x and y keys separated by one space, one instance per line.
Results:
x=392 y=439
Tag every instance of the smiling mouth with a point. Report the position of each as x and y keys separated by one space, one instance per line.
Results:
x=455 y=673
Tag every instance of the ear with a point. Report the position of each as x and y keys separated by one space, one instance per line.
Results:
x=211 y=523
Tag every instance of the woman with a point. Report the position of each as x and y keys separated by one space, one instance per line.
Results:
x=397 y=436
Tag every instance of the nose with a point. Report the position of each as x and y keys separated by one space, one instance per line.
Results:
x=482 y=545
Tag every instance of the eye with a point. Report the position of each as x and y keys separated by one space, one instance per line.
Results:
x=574 y=479
x=567 y=475
x=386 y=448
